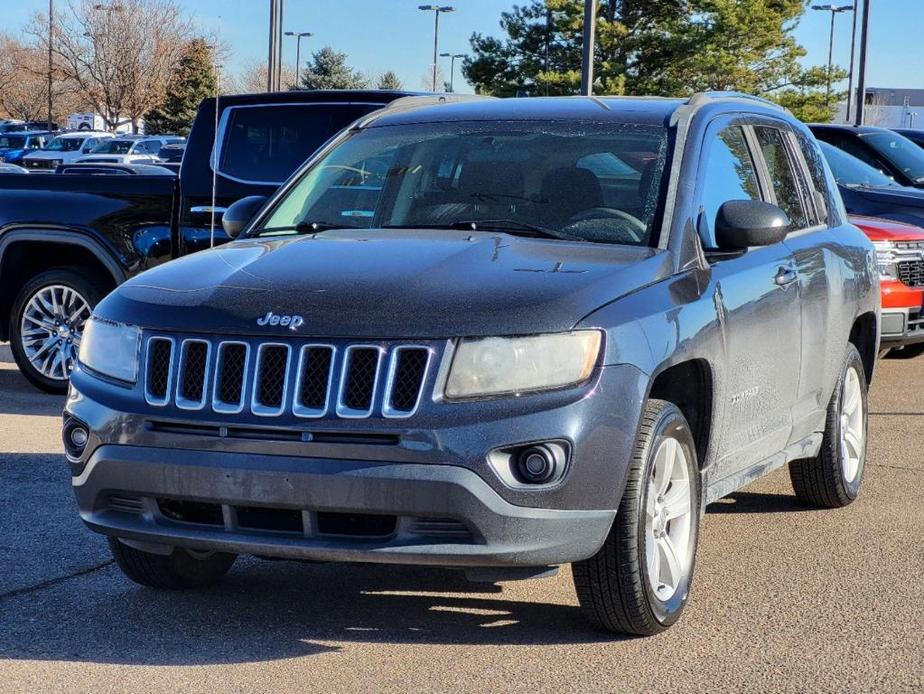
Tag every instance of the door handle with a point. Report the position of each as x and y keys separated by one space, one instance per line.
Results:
x=207 y=209
x=785 y=276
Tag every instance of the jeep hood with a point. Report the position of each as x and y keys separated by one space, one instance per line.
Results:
x=386 y=284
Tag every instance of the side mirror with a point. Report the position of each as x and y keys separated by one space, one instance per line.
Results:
x=239 y=214
x=741 y=224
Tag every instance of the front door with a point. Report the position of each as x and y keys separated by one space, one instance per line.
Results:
x=758 y=302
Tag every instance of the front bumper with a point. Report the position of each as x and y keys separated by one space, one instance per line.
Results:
x=423 y=492
x=325 y=510
x=902 y=321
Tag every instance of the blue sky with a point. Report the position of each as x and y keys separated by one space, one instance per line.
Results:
x=381 y=35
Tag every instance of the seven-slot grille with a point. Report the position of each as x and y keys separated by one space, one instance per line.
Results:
x=273 y=378
x=911 y=272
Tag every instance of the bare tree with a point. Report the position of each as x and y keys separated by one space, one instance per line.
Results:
x=120 y=55
x=251 y=80
x=24 y=84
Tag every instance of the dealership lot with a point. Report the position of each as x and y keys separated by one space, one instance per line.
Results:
x=785 y=598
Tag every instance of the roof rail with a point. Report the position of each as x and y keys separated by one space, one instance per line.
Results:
x=406 y=103
x=701 y=98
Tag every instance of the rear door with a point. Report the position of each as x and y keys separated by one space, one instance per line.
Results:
x=759 y=308
x=790 y=187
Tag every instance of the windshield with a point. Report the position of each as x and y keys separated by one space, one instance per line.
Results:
x=850 y=171
x=7 y=142
x=113 y=147
x=899 y=150
x=582 y=181
x=65 y=144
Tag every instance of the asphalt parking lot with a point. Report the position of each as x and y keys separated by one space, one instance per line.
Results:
x=785 y=598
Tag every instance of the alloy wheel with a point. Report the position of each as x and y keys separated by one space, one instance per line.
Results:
x=852 y=426
x=51 y=327
x=668 y=520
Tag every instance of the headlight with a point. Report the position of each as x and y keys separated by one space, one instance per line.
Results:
x=110 y=349
x=502 y=365
x=885 y=259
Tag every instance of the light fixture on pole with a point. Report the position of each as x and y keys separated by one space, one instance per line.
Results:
x=436 y=9
x=452 y=67
x=834 y=10
x=299 y=35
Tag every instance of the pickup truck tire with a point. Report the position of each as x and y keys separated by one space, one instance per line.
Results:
x=907 y=352
x=658 y=517
x=832 y=478
x=80 y=295
x=181 y=569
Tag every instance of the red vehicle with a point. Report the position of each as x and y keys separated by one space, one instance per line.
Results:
x=900 y=254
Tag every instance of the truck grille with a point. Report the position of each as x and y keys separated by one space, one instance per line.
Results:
x=272 y=379
x=911 y=273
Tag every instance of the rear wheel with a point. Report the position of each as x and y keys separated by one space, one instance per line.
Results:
x=46 y=325
x=183 y=568
x=832 y=478
x=639 y=580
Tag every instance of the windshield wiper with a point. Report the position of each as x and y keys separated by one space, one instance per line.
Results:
x=302 y=228
x=508 y=226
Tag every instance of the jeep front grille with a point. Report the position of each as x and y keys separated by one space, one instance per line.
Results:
x=272 y=379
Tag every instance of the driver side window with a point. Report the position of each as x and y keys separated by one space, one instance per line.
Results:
x=729 y=175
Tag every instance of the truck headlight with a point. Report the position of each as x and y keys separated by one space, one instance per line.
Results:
x=885 y=259
x=514 y=365
x=110 y=349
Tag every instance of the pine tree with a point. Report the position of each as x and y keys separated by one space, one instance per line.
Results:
x=661 y=47
x=191 y=82
x=389 y=80
x=328 y=69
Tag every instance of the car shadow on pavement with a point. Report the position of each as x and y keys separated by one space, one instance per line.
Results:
x=18 y=396
x=756 y=502
x=273 y=611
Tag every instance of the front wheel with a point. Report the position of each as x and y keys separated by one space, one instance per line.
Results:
x=46 y=325
x=832 y=478
x=182 y=568
x=639 y=580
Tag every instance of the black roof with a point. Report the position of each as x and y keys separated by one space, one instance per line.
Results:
x=858 y=129
x=302 y=96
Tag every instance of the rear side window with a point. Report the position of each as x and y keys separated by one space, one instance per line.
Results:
x=825 y=198
x=265 y=145
x=729 y=175
x=785 y=182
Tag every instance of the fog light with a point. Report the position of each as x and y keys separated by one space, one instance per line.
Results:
x=75 y=436
x=539 y=464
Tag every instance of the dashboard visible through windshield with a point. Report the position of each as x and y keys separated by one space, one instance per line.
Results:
x=580 y=181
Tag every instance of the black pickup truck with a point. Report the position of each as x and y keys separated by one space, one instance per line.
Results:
x=66 y=241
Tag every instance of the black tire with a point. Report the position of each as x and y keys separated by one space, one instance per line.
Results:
x=907 y=352
x=91 y=291
x=176 y=571
x=612 y=586
x=822 y=481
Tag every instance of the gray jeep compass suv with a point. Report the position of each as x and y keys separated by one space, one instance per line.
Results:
x=494 y=335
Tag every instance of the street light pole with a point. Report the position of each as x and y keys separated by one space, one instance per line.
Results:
x=452 y=67
x=861 y=76
x=298 y=49
x=51 y=32
x=587 y=60
x=833 y=9
x=436 y=9
x=853 y=45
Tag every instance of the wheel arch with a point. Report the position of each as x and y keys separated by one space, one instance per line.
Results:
x=864 y=336
x=24 y=253
x=690 y=386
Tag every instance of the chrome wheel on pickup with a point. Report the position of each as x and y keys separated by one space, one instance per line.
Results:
x=47 y=323
x=832 y=478
x=639 y=580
